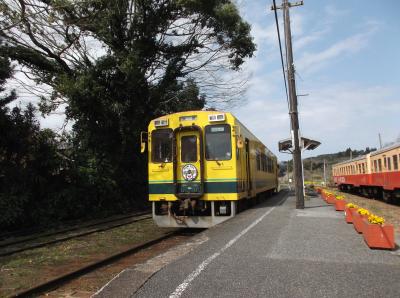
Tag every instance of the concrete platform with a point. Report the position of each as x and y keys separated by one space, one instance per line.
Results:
x=272 y=250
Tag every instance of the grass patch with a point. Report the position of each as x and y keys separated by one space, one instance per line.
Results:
x=26 y=269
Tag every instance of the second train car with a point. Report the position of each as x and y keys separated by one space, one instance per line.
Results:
x=203 y=166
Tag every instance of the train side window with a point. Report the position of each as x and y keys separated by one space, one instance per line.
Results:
x=264 y=163
x=161 y=145
x=375 y=166
x=384 y=163
x=269 y=164
x=188 y=148
x=379 y=165
x=395 y=163
x=389 y=164
x=218 y=142
x=258 y=160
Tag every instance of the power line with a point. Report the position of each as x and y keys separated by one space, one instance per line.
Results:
x=280 y=49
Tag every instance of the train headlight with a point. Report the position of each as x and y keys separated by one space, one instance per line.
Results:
x=216 y=117
x=161 y=122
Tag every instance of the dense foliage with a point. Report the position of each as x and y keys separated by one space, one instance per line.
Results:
x=145 y=61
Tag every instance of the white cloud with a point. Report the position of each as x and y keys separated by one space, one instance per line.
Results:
x=311 y=62
x=308 y=39
x=332 y=11
x=349 y=115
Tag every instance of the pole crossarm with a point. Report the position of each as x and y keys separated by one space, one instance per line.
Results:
x=297 y=3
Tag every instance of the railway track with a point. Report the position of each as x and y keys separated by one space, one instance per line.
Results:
x=77 y=273
x=70 y=225
x=15 y=246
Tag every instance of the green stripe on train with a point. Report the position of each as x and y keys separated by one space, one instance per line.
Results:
x=209 y=187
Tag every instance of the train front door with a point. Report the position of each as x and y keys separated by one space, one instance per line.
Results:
x=189 y=164
x=248 y=170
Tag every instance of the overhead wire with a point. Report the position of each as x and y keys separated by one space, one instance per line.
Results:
x=280 y=49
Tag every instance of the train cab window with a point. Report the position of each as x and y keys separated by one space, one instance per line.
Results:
x=389 y=164
x=395 y=163
x=161 y=141
x=218 y=142
x=189 y=149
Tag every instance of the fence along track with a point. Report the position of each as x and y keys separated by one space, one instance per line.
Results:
x=139 y=217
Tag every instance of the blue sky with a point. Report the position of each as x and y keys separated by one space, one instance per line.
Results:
x=346 y=56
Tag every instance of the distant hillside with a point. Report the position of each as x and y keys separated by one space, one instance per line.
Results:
x=314 y=166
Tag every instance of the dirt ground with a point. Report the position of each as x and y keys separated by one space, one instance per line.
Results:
x=23 y=270
x=390 y=212
x=87 y=285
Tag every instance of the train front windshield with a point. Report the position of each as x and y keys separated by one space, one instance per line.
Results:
x=218 y=142
x=161 y=145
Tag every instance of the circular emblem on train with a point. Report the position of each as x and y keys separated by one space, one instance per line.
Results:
x=189 y=172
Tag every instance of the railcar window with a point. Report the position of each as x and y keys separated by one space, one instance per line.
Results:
x=218 y=142
x=380 y=165
x=264 y=163
x=161 y=140
x=389 y=164
x=189 y=149
x=375 y=166
x=395 y=163
x=270 y=165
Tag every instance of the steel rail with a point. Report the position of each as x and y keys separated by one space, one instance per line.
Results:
x=57 y=281
x=69 y=229
x=42 y=244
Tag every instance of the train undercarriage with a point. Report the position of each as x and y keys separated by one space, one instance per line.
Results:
x=372 y=192
x=197 y=213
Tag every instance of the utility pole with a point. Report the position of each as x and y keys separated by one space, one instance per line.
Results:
x=324 y=172
x=294 y=119
x=380 y=140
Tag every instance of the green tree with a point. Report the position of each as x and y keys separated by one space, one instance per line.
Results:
x=118 y=64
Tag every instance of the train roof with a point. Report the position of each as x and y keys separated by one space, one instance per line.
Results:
x=218 y=111
x=349 y=160
x=380 y=151
x=388 y=148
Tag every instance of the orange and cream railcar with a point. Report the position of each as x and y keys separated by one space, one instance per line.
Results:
x=375 y=174
x=203 y=165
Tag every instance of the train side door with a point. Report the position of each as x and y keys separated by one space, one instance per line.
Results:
x=387 y=169
x=248 y=170
x=188 y=167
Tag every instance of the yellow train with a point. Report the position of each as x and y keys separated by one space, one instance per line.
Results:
x=204 y=166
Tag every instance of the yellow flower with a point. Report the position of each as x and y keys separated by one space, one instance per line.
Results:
x=351 y=205
x=375 y=219
x=340 y=198
x=363 y=211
